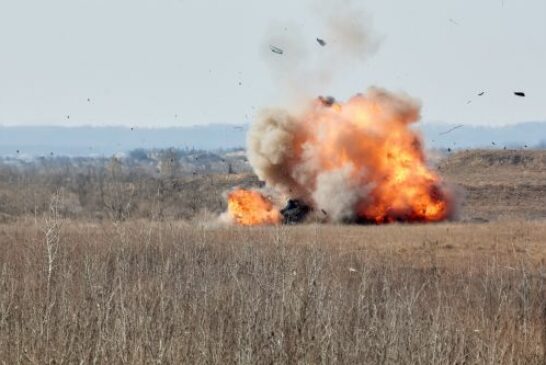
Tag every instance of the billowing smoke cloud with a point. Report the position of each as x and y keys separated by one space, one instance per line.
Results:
x=359 y=160
x=305 y=67
x=269 y=148
x=338 y=194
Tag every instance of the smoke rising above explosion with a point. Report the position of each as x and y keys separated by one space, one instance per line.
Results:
x=305 y=69
x=358 y=161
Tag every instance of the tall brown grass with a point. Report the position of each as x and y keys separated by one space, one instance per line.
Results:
x=142 y=292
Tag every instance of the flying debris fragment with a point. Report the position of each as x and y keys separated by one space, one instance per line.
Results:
x=327 y=100
x=519 y=93
x=452 y=129
x=322 y=42
x=276 y=50
x=481 y=94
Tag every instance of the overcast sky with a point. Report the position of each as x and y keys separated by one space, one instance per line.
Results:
x=187 y=62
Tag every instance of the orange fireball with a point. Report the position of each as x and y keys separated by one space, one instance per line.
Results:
x=358 y=160
x=249 y=207
x=371 y=136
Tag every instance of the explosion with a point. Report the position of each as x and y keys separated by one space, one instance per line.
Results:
x=358 y=161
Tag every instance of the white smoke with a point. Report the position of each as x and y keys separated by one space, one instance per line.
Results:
x=337 y=195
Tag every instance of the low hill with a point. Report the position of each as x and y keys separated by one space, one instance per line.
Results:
x=495 y=184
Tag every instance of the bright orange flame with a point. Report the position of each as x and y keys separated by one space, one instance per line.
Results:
x=248 y=207
x=372 y=135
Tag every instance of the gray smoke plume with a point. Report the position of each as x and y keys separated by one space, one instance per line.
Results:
x=337 y=194
x=305 y=68
x=348 y=27
x=269 y=147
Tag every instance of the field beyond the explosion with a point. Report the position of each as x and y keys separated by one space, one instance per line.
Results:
x=159 y=281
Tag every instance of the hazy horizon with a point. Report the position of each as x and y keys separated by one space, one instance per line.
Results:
x=106 y=141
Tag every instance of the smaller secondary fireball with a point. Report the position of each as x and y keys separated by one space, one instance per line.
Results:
x=249 y=207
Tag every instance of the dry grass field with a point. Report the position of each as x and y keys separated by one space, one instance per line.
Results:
x=76 y=290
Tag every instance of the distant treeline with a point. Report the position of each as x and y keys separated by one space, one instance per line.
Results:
x=178 y=183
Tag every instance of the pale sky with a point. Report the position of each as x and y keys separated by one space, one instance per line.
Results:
x=187 y=62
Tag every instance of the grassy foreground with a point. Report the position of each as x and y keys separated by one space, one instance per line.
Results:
x=141 y=292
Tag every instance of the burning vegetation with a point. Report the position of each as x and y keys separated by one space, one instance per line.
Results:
x=358 y=161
